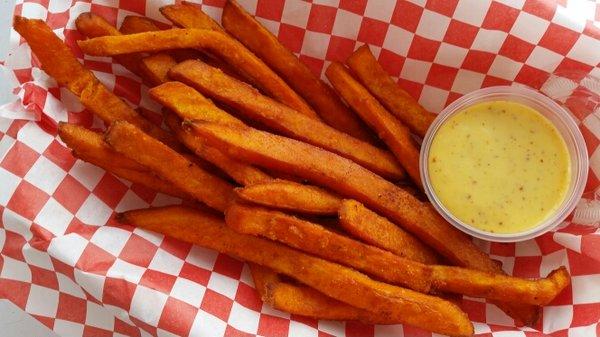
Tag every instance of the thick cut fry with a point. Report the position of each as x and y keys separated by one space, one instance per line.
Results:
x=391 y=303
x=59 y=62
x=89 y=146
x=364 y=65
x=317 y=93
x=351 y=180
x=189 y=104
x=315 y=239
x=157 y=67
x=378 y=231
x=393 y=133
x=242 y=173
x=131 y=142
x=305 y=301
x=137 y=24
x=219 y=44
x=92 y=25
x=216 y=84
x=288 y=195
x=187 y=15
x=56 y=58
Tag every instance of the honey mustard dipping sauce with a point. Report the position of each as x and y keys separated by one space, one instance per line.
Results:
x=499 y=166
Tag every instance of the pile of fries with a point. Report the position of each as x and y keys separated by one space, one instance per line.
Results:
x=317 y=188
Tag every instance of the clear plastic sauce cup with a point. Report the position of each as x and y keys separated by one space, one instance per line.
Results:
x=548 y=108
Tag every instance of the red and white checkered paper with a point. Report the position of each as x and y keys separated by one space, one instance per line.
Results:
x=65 y=261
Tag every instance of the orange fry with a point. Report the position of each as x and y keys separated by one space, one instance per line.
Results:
x=133 y=143
x=393 y=133
x=89 y=146
x=317 y=93
x=92 y=25
x=364 y=65
x=60 y=63
x=187 y=15
x=188 y=103
x=215 y=84
x=133 y=24
x=378 y=231
x=392 y=303
x=305 y=301
x=292 y=196
x=219 y=44
x=139 y=24
x=315 y=239
x=157 y=66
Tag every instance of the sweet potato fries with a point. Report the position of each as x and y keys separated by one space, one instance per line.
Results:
x=354 y=245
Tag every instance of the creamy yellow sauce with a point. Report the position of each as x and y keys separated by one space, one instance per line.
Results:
x=499 y=166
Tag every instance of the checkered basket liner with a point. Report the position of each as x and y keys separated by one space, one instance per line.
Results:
x=66 y=262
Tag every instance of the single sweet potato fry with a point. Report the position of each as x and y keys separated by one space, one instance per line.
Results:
x=317 y=93
x=305 y=301
x=248 y=101
x=391 y=303
x=242 y=173
x=187 y=15
x=316 y=240
x=59 y=62
x=92 y=25
x=378 y=231
x=370 y=73
x=189 y=104
x=351 y=180
x=138 y=24
x=89 y=146
x=500 y=287
x=291 y=196
x=217 y=43
x=133 y=143
x=157 y=66
x=133 y=24
x=393 y=133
